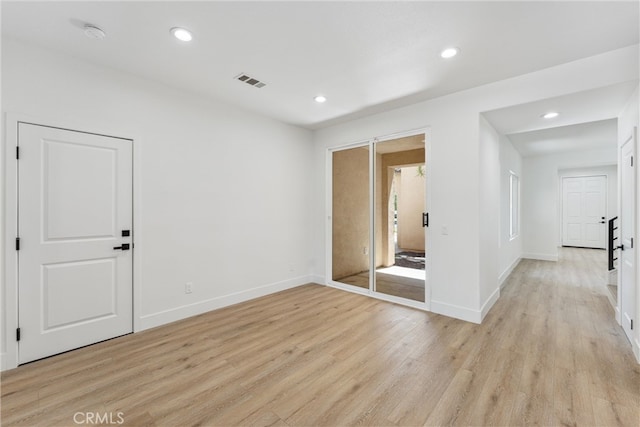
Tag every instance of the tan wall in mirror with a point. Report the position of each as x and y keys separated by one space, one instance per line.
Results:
x=350 y=216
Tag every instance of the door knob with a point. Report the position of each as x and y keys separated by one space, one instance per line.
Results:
x=124 y=247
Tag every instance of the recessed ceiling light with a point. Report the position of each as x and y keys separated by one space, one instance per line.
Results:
x=181 y=34
x=320 y=99
x=449 y=52
x=94 y=32
x=550 y=115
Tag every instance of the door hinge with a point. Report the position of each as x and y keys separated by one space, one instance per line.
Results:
x=425 y=219
x=631 y=161
x=632 y=324
x=17 y=152
x=632 y=243
x=18 y=334
x=17 y=243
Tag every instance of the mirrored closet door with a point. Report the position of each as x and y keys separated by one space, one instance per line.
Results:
x=379 y=218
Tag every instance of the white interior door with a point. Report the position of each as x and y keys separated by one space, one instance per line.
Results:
x=584 y=210
x=75 y=205
x=627 y=233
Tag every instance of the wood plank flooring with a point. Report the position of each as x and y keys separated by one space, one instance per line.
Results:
x=548 y=353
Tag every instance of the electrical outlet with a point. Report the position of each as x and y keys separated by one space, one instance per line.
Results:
x=188 y=287
x=365 y=250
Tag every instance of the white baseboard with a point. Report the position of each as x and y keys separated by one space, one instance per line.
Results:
x=178 y=313
x=505 y=274
x=541 y=257
x=489 y=303
x=456 y=311
x=464 y=313
x=320 y=280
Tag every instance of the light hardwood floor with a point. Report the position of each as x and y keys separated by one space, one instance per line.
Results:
x=548 y=353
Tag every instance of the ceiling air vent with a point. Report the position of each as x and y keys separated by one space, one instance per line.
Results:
x=250 y=80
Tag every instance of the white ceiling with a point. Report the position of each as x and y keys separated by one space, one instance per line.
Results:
x=587 y=106
x=364 y=56
x=587 y=120
x=584 y=136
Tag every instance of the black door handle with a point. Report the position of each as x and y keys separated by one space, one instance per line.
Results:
x=601 y=222
x=124 y=247
x=425 y=219
x=621 y=247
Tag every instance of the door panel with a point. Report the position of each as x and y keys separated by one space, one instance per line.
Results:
x=400 y=201
x=592 y=232
x=75 y=198
x=66 y=189
x=584 y=207
x=92 y=285
x=626 y=256
x=574 y=232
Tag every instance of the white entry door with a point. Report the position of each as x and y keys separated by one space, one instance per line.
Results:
x=75 y=214
x=584 y=210
x=627 y=233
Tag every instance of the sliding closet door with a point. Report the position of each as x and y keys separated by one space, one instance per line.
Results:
x=400 y=201
x=351 y=217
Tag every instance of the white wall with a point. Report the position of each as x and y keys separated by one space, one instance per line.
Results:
x=455 y=167
x=629 y=116
x=224 y=195
x=510 y=250
x=489 y=214
x=540 y=185
x=628 y=119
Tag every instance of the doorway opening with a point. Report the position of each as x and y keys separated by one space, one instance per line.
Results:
x=406 y=203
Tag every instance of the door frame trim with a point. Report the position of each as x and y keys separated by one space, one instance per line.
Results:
x=631 y=137
x=370 y=143
x=9 y=300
